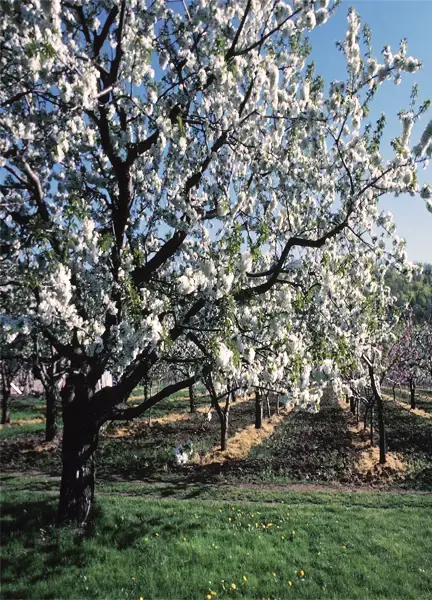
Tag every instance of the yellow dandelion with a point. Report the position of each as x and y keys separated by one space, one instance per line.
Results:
x=213 y=594
x=222 y=580
x=220 y=510
x=156 y=534
x=185 y=539
x=229 y=519
x=233 y=586
x=216 y=547
x=290 y=583
x=301 y=573
x=274 y=574
x=244 y=578
x=141 y=598
x=133 y=579
x=209 y=597
x=282 y=537
x=292 y=532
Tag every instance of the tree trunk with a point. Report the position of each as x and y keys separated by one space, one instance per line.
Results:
x=258 y=410
x=80 y=438
x=352 y=404
x=371 y=427
x=5 y=418
x=192 y=404
x=224 y=429
x=52 y=404
x=268 y=405
x=380 y=414
x=412 y=393
x=381 y=429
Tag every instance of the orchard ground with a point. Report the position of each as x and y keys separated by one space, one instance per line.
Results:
x=225 y=526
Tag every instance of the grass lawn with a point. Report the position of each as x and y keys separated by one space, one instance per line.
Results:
x=344 y=546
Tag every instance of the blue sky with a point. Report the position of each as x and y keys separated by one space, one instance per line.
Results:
x=390 y=21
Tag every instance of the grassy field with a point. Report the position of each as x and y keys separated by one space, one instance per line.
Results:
x=304 y=545
x=27 y=417
x=226 y=528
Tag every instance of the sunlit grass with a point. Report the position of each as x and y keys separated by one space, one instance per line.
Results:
x=189 y=549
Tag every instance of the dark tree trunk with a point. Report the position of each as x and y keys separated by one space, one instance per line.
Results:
x=5 y=418
x=381 y=429
x=380 y=415
x=371 y=428
x=268 y=405
x=224 y=429
x=258 y=410
x=80 y=438
x=192 y=404
x=352 y=404
x=412 y=393
x=52 y=404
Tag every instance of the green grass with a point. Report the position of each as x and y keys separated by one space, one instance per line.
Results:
x=22 y=429
x=374 y=548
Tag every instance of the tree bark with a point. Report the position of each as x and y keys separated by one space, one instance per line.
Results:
x=268 y=405
x=192 y=403
x=352 y=405
x=380 y=414
x=224 y=429
x=412 y=393
x=381 y=429
x=5 y=418
x=52 y=404
x=258 y=410
x=371 y=428
x=5 y=389
x=80 y=438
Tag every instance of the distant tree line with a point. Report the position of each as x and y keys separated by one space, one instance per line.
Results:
x=417 y=292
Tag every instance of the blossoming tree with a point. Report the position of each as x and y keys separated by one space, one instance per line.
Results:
x=410 y=355
x=163 y=169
